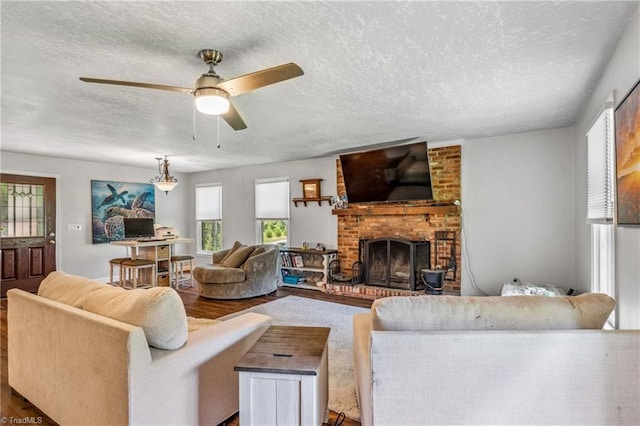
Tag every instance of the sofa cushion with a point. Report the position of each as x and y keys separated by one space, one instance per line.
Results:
x=218 y=274
x=68 y=289
x=159 y=311
x=232 y=250
x=238 y=257
x=426 y=313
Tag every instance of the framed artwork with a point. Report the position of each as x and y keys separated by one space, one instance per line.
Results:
x=311 y=188
x=627 y=120
x=112 y=201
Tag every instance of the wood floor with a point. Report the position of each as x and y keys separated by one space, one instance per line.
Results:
x=13 y=406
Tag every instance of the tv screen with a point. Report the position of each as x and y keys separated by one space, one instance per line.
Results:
x=399 y=173
x=138 y=228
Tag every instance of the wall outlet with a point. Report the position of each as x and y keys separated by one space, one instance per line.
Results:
x=74 y=227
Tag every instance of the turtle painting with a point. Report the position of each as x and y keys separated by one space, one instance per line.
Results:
x=111 y=202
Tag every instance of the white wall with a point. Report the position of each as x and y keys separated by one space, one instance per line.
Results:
x=75 y=252
x=311 y=223
x=622 y=71
x=518 y=210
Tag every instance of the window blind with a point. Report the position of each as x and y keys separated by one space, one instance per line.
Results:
x=272 y=199
x=209 y=202
x=600 y=169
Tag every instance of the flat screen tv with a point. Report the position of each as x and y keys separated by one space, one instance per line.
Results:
x=399 y=173
x=138 y=228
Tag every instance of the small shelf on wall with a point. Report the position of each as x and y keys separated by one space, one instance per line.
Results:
x=308 y=200
x=311 y=193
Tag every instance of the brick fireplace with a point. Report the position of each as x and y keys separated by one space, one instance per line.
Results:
x=411 y=221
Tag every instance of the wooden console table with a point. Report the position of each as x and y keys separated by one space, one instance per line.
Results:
x=284 y=378
x=158 y=250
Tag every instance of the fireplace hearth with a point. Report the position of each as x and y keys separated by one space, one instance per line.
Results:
x=395 y=262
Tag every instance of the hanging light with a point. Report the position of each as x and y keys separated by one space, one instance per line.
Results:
x=164 y=181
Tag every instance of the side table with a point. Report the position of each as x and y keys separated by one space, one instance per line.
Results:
x=284 y=378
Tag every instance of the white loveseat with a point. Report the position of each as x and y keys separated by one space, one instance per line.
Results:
x=84 y=368
x=495 y=360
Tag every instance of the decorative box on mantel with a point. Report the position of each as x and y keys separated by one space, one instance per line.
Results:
x=311 y=192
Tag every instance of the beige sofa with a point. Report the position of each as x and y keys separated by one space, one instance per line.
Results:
x=86 y=368
x=239 y=272
x=495 y=360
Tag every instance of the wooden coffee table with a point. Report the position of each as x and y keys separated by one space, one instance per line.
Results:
x=284 y=377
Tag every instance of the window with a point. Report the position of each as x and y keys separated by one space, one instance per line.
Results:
x=209 y=217
x=600 y=169
x=21 y=210
x=272 y=211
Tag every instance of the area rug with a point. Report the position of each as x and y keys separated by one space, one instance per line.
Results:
x=293 y=310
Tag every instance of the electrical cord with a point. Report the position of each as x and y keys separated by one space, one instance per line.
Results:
x=339 y=419
x=464 y=233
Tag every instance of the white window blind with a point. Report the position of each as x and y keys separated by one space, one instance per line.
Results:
x=209 y=202
x=272 y=199
x=600 y=169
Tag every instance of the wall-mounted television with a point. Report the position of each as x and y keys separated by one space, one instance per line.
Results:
x=398 y=173
x=138 y=228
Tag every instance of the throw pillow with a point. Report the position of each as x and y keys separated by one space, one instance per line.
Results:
x=238 y=257
x=159 y=311
x=232 y=250
x=68 y=289
x=434 y=313
x=257 y=251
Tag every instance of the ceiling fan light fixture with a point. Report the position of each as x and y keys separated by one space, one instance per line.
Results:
x=212 y=101
x=164 y=181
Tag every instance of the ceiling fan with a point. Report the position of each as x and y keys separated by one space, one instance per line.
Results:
x=212 y=92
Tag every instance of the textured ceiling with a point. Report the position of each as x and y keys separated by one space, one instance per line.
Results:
x=374 y=72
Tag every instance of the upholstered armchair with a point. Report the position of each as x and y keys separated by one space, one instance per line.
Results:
x=239 y=272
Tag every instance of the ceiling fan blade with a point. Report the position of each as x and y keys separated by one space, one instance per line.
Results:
x=136 y=84
x=232 y=117
x=248 y=82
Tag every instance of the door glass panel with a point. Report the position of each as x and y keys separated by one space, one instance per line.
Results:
x=21 y=210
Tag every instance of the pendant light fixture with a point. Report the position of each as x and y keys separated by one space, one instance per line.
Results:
x=164 y=181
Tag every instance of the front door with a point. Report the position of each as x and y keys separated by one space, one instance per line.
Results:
x=27 y=231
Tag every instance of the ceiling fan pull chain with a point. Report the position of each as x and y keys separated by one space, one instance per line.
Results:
x=218 y=132
x=194 y=120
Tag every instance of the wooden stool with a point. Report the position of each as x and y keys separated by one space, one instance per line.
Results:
x=117 y=261
x=177 y=266
x=132 y=268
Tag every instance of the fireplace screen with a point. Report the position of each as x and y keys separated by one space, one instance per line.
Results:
x=395 y=263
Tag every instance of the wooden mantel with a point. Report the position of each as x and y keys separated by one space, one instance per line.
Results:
x=397 y=210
